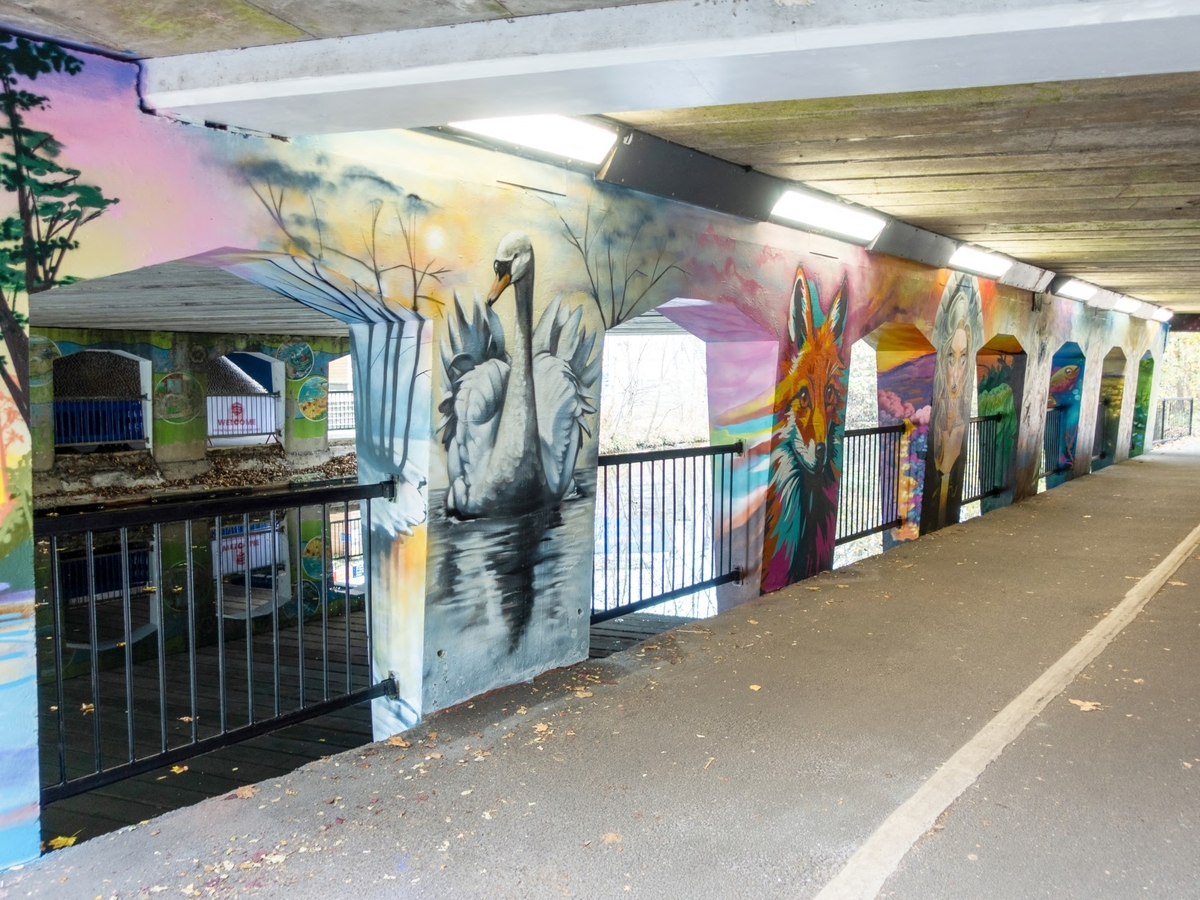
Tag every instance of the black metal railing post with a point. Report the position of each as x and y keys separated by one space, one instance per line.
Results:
x=669 y=537
x=869 y=490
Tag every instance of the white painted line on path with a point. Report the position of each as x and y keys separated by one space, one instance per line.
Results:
x=869 y=867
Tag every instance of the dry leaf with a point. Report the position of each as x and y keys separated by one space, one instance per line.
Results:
x=275 y=858
x=541 y=727
x=435 y=756
x=396 y=741
x=521 y=711
x=57 y=843
x=1139 y=681
x=178 y=770
x=1178 y=583
x=814 y=588
x=1085 y=705
x=185 y=718
x=752 y=621
x=245 y=792
x=583 y=695
x=612 y=838
x=86 y=708
x=756 y=687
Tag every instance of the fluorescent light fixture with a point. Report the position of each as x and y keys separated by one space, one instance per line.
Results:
x=980 y=262
x=1127 y=305
x=1162 y=315
x=829 y=215
x=1077 y=290
x=559 y=135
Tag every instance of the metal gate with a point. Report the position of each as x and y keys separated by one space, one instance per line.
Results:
x=171 y=629
x=664 y=527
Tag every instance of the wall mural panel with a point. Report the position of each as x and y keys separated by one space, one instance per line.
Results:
x=477 y=370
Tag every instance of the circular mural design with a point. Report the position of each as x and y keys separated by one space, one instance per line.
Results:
x=298 y=358
x=313 y=559
x=178 y=398
x=313 y=398
x=42 y=354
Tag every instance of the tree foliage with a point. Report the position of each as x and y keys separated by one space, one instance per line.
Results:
x=52 y=203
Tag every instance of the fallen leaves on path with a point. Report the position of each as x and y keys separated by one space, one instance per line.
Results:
x=397 y=741
x=57 y=843
x=612 y=838
x=245 y=792
x=1085 y=705
x=756 y=687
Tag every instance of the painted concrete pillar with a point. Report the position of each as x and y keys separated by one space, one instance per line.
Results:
x=392 y=361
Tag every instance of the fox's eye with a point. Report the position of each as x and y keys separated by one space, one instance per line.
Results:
x=804 y=398
x=829 y=395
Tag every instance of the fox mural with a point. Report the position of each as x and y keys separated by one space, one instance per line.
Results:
x=806 y=445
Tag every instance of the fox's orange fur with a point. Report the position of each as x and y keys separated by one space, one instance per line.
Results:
x=801 y=511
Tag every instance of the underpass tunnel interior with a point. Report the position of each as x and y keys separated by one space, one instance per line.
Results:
x=1000 y=392
x=486 y=391
x=1063 y=406
x=245 y=393
x=101 y=399
x=1106 y=446
x=1141 y=408
x=905 y=365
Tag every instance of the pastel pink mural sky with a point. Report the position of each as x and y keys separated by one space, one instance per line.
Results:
x=173 y=202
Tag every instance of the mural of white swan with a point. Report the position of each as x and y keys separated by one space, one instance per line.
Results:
x=514 y=418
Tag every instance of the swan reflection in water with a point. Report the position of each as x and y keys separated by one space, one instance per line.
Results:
x=517 y=586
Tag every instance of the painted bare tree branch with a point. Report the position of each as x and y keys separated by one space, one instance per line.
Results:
x=633 y=267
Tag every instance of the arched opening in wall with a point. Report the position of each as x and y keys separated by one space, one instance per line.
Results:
x=1108 y=411
x=1060 y=436
x=884 y=442
x=991 y=439
x=341 y=398
x=244 y=400
x=654 y=402
x=101 y=401
x=1141 y=405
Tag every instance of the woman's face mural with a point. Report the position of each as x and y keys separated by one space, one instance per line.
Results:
x=957 y=330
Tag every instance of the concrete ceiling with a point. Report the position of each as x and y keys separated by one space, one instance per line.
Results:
x=1098 y=179
x=178 y=296
x=148 y=28
x=1082 y=173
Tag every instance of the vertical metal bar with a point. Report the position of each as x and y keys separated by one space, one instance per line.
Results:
x=364 y=521
x=346 y=588
x=249 y=621
x=191 y=625
x=219 y=565
x=161 y=638
x=604 y=471
x=56 y=600
x=127 y=611
x=641 y=529
x=300 y=598
x=94 y=648
x=324 y=602
x=274 y=613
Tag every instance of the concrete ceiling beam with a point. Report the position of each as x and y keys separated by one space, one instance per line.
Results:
x=669 y=54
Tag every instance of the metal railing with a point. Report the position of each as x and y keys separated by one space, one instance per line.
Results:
x=664 y=527
x=228 y=618
x=242 y=415
x=869 y=491
x=986 y=467
x=341 y=410
x=1054 y=443
x=1174 y=419
x=92 y=421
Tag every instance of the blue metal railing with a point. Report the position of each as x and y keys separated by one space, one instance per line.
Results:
x=95 y=421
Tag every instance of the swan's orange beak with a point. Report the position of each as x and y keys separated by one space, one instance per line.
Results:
x=501 y=284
